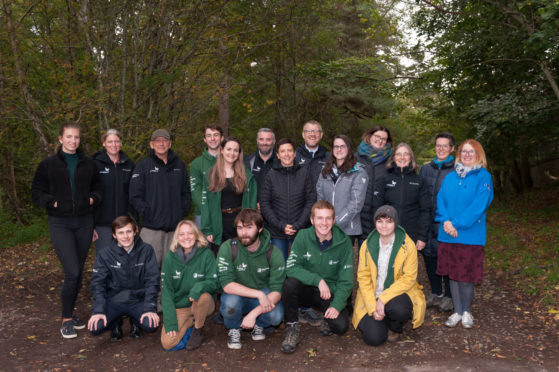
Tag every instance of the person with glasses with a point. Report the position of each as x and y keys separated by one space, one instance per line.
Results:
x=311 y=153
x=462 y=204
x=373 y=151
x=408 y=193
x=434 y=173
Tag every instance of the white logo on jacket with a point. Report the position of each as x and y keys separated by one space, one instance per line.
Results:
x=117 y=266
x=332 y=262
x=177 y=275
x=106 y=171
x=154 y=170
x=392 y=184
x=307 y=256
x=262 y=269
x=242 y=267
x=196 y=275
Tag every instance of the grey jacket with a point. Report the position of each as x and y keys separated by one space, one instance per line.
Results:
x=347 y=195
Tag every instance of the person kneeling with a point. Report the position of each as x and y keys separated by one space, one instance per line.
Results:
x=388 y=294
x=251 y=271
x=188 y=286
x=125 y=281
x=320 y=274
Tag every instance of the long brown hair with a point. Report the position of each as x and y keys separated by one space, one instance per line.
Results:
x=349 y=161
x=217 y=177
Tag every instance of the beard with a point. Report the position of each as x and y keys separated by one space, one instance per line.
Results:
x=249 y=240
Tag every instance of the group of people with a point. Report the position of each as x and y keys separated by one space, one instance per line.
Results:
x=272 y=236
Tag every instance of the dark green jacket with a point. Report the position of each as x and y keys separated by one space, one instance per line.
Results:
x=180 y=282
x=212 y=223
x=252 y=269
x=335 y=264
x=198 y=172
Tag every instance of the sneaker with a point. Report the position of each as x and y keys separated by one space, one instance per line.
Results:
x=433 y=300
x=67 y=330
x=310 y=317
x=453 y=320
x=325 y=328
x=78 y=324
x=234 y=339
x=393 y=336
x=258 y=333
x=467 y=320
x=292 y=338
x=446 y=304
x=196 y=338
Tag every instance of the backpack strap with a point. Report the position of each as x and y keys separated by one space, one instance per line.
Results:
x=234 y=249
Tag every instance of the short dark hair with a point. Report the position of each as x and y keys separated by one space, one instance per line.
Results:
x=446 y=135
x=284 y=141
x=122 y=221
x=213 y=126
x=248 y=216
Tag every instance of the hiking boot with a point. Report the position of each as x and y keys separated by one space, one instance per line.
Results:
x=135 y=331
x=393 y=336
x=467 y=320
x=433 y=300
x=234 y=339
x=309 y=316
x=196 y=338
x=78 y=324
x=325 y=328
x=453 y=320
x=446 y=304
x=292 y=338
x=258 y=333
x=67 y=330
x=116 y=331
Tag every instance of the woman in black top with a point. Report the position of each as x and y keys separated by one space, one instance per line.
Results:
x=67 y=186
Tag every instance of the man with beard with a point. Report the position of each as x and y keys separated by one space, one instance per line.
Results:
x=213 y=135
x=251 y=271
x=264 y=159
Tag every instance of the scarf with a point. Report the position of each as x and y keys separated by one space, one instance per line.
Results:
x=186 y=257
x=463 y=171
x=374 y=155
x=439 y=164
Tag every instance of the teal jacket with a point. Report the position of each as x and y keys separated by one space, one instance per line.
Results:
x=180 y=282
x=335 y=264
x=252 y=269
x=212 y=223
x=198 y=172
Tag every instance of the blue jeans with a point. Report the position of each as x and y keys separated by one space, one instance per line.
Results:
x=283 y=245
x=114 y=310
x=234 y=308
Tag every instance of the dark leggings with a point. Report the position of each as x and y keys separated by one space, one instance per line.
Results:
x=71 y=238
x=397 y=311
x=436 y=280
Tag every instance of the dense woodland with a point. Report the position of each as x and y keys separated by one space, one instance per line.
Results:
x=487 y=69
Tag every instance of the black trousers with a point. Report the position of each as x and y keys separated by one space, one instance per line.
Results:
x=71 y=238
x=397 y=312
x=295 y=293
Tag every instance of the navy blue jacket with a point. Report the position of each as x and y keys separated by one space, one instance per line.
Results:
x=305 y=159
x=375 y=173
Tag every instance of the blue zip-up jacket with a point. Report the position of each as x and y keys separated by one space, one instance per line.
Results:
x=464 y=202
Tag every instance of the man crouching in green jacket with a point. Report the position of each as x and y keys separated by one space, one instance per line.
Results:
x=319 y=274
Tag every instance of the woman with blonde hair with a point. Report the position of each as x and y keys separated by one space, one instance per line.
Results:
x=228 y=188
x=462 y=203
x=188 y=286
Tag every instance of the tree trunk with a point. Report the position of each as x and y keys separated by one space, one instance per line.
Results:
x=11 y=184
x=223 y=104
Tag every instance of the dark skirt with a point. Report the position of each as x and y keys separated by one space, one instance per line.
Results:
x=461 y=262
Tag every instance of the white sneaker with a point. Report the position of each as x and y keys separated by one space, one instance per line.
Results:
x=258 y=333
x=467 y=320
x=234 y=339
x=453 y=320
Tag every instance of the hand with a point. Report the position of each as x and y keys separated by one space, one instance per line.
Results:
x=91 y=201
x=172 y=333
x=248 y=321
x=449 y=229
x=95 y=236
x=210 y=238
x=258 y=207
x=55 y=205
x=331 y=313
x=265 y=302
x=191 y=299
x=420 y=245
x=324 y=290
x=152 y=317
x=92 y=323
x=289 y=230
x=379 y=311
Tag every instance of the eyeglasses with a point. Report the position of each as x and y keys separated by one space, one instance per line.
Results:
x=380 y=138
x=402 y=155
x=468 y=152
x=340 y=147
x=312 y=131
x=444 y=147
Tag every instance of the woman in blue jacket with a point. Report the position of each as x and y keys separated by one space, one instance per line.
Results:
x=462 y=203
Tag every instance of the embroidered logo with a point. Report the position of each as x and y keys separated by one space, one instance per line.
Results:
x=117 y=266
x=364 y=180
x=414 y=183
x=126 y=170
x=392 y=184
x=307 y=256
x=262 y=269
x=177 y=275
x=332 y=262
x=106 y=171
x=196 y=275
x=242 y=267
x=257 y=169
x=135 y=175
x=154 y=170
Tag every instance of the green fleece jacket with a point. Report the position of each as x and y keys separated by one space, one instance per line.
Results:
x=335 y=264
x=180 y=282
x=252 y=269
x=212 y=223
x=198 y=172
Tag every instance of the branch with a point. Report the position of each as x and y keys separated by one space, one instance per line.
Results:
x=18 y=23
x=439 y=8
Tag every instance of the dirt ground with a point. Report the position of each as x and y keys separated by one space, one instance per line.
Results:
x=508 y=335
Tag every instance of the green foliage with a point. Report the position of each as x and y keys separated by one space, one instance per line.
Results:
x=14 y=234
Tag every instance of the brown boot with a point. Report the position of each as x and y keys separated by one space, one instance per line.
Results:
x=393 y=336
x=195 y=340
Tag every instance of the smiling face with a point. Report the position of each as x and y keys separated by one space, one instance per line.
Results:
x=230 y=152
x=70 y=140
x=186 y=237
x=323 y=220
x=340 y=150
x=112 y=144
x=378 y=139
x=312 y=135
x=385 y=226
x=402 y=157
x=468 y=155
x=125 y=236
x=265 y=142
x=213 y=139
x=160 y=146
x=286 y=155
x=443 y=148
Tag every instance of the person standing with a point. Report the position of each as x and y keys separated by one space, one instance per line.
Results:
x=160 y=192
x=462 y=204
x=67 y=186
x=115 y=169
x=434 y=173
x=264 y=159
x=312 y=154
x=213 y=135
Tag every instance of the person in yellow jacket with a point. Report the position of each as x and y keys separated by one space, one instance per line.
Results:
x=388 y=294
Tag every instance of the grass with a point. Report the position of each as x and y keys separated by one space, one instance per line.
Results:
x=13 y=234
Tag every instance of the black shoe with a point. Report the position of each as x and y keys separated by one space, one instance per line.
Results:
x=78 y=324
x=325 y=330
x=136 y=331
x=196 y=338
x=218 y=318
x=116 y=332
x=67 y=330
